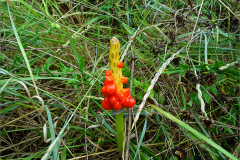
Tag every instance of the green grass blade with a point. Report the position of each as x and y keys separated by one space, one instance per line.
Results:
x=206 y=49
x=141 y=138
x=195 y=132
x=55 y=149
x=8 y=109
x=5 y=85
x=73 y=47
x=142 y=155
x=22 y=49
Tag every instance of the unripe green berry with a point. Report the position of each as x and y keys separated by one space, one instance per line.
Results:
x=53 y=25
x=57 y=26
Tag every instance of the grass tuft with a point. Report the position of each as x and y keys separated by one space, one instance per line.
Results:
x=181 y=58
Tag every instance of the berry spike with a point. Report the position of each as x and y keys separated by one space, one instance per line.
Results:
x=113 y=61
x=115 y=96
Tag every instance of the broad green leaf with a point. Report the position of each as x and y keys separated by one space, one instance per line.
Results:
x=128 y=28
x=213 y=89
x=81 y=64
x=201 y=67
x=64 y=69
x=194 y=98
x=205 y=96
x=49 y=60
x=223 y=120
x=228 y=130
x=190 y=102
x=107 y=5
x=216 y=66
x=47 y=64
x=142 y=85
x=2 y=56
x=230 y=73
x=17 y=59
x=182 y=69
x=2 y=133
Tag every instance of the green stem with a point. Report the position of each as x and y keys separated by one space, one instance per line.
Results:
x=120 y=132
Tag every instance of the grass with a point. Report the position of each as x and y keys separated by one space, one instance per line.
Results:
x=183 y=66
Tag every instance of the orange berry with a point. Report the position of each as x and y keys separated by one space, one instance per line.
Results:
x=105 y=83
x=111 y=88
x=118 y=92
x=113 y=99
x=125 y=104
x=117 y=106
x=109 y=79
x=106 y=107
x=103 y=91
x=124 y=79
x=127 y=92
x=121 y=97
x=108 y=73
x=131 y=102
x=120 y=64
x=107 y=101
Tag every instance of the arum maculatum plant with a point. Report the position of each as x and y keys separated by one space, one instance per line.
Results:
x=116 y=97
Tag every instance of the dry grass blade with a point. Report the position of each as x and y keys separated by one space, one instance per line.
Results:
x=201 y=99
x=20 y=143
x=228 y=9
x=94 y=154
x=17 y=119
x=25 y=87
x=152 y=85
x=229 y=65
x=45 y=134
x=41 y=100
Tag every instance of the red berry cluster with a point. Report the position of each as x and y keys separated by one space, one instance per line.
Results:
x=114 y=98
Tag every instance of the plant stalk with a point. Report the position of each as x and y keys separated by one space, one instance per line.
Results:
x=120 y=132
